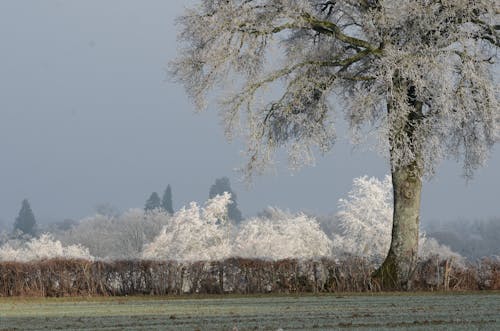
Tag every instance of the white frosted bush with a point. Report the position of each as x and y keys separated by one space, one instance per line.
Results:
x=41 y=248
x=282 y=235
x=195 y=233
x=366 y=218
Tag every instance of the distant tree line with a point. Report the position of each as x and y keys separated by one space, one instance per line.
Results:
x=473 y=239
x=25 y=223
x=359 y=228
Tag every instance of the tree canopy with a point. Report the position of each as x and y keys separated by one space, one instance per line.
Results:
x=375 y=55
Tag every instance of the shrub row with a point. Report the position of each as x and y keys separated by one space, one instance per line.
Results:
x=60 y=277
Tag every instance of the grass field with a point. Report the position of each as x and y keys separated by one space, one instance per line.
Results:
x=471 y=311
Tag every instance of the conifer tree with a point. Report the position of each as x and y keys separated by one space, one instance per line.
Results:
x=166 y=201
x=153 y=202
x=25 y=221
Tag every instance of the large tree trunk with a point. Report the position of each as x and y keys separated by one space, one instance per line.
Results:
x=397 y=270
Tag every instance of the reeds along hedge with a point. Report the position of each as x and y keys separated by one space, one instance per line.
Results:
x=59 y=277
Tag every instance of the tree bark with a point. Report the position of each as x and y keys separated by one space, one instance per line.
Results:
x=397 y=270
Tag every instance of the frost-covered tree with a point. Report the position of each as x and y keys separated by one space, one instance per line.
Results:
x=220 y=186
x=419 y=71
x=166 y=200
x=116 y=237
x=365 y=218
x=195 y=233
x=25 y=221
x=281 y=235
x=153 y=202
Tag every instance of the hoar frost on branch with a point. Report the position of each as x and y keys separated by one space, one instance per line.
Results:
x=416 y=70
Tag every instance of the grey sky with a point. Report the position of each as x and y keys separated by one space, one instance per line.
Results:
x=88 y=116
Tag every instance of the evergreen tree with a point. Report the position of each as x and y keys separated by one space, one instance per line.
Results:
x=166 y=201
x=223 y=185
x=153 y=202
x=25 y=221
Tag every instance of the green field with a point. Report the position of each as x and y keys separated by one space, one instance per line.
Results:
x=472 y=311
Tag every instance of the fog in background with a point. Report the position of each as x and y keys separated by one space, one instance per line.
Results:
x=89 y=116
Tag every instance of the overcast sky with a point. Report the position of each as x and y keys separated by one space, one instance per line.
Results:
x=88 y=116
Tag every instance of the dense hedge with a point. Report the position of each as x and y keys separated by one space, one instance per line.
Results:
x=58 y=277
